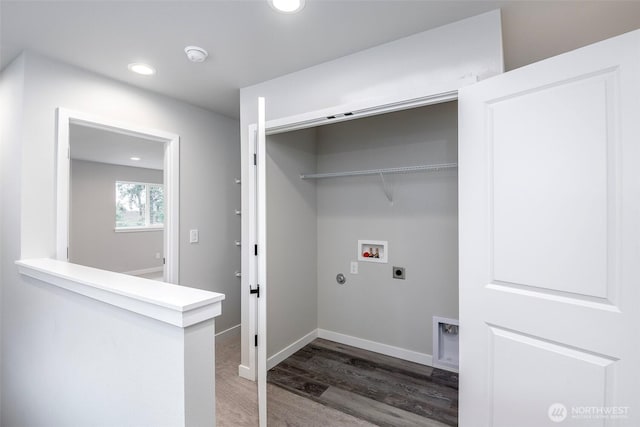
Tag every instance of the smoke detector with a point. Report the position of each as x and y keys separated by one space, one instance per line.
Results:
x=195 y=53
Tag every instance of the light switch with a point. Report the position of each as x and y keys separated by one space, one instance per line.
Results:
x=193 y=236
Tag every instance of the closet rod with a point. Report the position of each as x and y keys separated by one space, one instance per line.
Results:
x=405 y=169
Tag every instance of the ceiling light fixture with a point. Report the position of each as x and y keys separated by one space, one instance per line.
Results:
x=287 y=6
x=135 y=159
x=195 y=53
x=140 y=68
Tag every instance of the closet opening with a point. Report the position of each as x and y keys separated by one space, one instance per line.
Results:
x=362 y=262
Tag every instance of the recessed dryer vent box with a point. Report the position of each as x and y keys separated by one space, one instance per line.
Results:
x=373 y=251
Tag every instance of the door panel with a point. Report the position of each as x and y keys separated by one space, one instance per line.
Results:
x=554 y=143
x=555 y=367
x=549 y=232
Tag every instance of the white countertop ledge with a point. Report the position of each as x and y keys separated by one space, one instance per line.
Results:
x=174 y=304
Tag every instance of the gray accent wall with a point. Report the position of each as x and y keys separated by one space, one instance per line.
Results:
x=313 y=227
x=291 y=239
x=93 y=240
x=421 y=226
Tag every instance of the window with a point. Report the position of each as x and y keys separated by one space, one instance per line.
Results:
x=139 y=206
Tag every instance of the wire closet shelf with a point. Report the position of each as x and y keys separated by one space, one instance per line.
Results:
x=404 y=169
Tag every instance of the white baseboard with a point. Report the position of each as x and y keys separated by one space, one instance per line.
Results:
x=389 y=350
x=291 y=348
x=233 y=331
x=246 y=373
x=144 y=271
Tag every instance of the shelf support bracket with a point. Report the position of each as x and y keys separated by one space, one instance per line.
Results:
x=388 y=189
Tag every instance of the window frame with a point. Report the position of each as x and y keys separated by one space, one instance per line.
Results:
x=147 y=212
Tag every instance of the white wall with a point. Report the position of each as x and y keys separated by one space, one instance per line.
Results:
x=291 y=239
x=428 y=63
x=421 y=226
x=36 y=368
x=88 y=373
x=11 y=98
x=425 y=63
x=92 y=239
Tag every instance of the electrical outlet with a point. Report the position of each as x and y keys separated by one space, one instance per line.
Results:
x=193 y=236
x=398 y=273
x=354 y=267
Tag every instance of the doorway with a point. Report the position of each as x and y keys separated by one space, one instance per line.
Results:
x=113 y=139
x=109 y=168
x=317 y=218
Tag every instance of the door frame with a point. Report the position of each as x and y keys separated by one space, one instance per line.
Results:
x=171 y=141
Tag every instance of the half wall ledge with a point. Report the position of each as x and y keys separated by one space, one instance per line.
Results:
x=173 y=304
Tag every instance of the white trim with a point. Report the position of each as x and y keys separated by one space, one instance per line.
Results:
x=361 y=109
x=246 y=372
x=144 y=271
x=138 y=229
x=63 y=182
x=171 y=142
x=172 y=210
x=173 y=304
x=389 y=350
x=227 y=334
x=291 y=349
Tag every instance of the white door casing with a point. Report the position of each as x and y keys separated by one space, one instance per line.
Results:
x=549 y=176
x=171 y=179
x=261 y=259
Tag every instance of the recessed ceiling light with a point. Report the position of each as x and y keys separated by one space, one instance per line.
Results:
x=287 y=6
x=140 y=68
x=135 y=159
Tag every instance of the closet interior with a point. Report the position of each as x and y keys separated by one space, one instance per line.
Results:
x=362 y=233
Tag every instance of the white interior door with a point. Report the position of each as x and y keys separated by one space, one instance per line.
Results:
x=549 y=167
x=261 y=259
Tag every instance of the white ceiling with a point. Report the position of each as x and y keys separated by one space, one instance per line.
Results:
x=102 y=146
x=249 y=42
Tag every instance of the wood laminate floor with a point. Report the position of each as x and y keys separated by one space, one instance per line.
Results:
x=369 y=386
x=237 y=402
